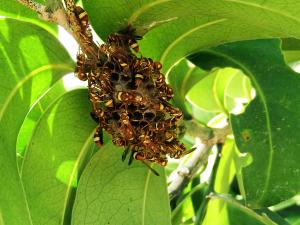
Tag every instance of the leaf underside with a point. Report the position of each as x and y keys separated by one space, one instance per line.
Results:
x=267 y=127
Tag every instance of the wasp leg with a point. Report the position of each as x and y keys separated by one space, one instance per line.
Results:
x=151 y=169
x=131 y=157
x=125 y=153
x=98 y=136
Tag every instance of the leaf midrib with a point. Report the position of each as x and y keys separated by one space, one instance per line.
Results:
x=185 y=34
x=81 y=154
x=264 y=102
x=145 y=196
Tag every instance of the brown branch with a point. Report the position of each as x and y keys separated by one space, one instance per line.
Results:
x=39 y=8
x=207 y=138
x=85 y=42
x=66 y=18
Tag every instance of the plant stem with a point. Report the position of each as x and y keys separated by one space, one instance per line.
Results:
x=207 y=138
x=39 y=8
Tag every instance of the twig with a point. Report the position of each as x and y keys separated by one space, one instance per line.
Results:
x=68 y=20
x=39 y=8
x=207 y=138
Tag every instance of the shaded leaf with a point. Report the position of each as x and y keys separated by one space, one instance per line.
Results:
x=24 y=78
x=111 y=192
x=266 y=129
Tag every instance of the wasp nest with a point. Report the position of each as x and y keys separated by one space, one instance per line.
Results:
x=130 y=98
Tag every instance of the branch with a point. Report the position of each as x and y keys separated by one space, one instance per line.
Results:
x=66 y=18
x=206 y=138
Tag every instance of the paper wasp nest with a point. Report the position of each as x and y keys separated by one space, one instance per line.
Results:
x=130 y=98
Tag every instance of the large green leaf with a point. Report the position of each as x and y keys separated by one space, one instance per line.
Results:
x=31 y=61
x=266 y=130
x=60 y=145
x=183 y=27
x=111 y=192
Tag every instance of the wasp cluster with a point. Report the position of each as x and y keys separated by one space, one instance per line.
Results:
x=130 y=97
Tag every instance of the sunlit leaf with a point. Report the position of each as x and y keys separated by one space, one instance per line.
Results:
x=32 y=60
x=35 y=113
x=61 y=144
x=220 y=91
x=217 y=210
x=182 y=77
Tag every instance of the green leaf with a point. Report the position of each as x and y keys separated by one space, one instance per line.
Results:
x=16 y=10
x=220 y=91
x=291 y=49
x=183 y=27
x=239 y=212
x=111 y=192
x=204 y=94
x=32 y=60
x=25 y=133
x=61 y=144
x=217 y=210
x=182 y=77
x=185 y=206
x=266 y=130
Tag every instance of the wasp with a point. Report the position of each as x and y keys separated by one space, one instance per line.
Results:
x=81 y=69
x=84 y=21
x=138 y=79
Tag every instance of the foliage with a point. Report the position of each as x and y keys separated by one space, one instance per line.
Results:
x=225 y=62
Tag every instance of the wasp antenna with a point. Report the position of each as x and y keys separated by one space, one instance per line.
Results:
x=125 y=153
x=150 y=168
x=190 y=151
